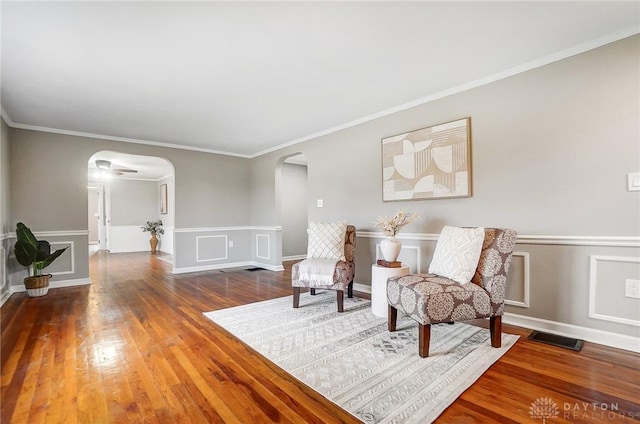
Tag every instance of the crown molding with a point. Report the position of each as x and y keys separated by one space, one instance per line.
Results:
x=123 y=139
x=555 y=57
x=573 y=51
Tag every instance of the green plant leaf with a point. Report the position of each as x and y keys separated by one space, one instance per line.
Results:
x=26 y=253
x=24 y=234
x=53 y=257
x=44 y=250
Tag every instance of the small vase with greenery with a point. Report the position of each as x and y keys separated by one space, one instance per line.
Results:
x=35 y=254
x=155 y=228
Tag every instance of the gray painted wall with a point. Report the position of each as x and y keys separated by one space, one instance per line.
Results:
x=294 y=209
x=551 y=149
x=168 y=219
x=210 y=189
x=134 y=202
x=5 y=207
x=5 y=229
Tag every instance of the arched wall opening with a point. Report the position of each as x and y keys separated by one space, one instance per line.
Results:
x=291 y=188
x=129 y=190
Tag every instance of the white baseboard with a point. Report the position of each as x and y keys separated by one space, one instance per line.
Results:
x=606 y=338
x=56 y=284
x=213 y=267
x=52 y=285
x=5 y=296
x=294 y=258
x=270 y=267
x=619 y=341
x=362 y=288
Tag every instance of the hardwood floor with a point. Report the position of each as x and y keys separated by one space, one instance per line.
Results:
x=135 y=347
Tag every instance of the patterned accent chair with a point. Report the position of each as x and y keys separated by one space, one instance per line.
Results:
x=342 y=278
x=431 y=299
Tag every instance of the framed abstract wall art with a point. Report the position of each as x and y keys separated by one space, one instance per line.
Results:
x=429 y=163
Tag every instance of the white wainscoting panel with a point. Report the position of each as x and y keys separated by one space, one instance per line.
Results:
x=69 y=255
x=128 y=238
x=263 y=246
x=524 y=303
x=166 y=241
x=212 y=248
x=593 y=282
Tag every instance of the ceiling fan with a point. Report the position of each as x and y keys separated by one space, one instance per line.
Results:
x=105 y=169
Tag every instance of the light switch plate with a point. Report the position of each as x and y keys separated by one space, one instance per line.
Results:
x=633 y=181
x=319 y=203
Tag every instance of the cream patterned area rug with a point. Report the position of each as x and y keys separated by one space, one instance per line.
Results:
x=352 y=360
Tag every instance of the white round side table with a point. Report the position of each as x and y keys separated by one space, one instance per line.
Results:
x=379 y=276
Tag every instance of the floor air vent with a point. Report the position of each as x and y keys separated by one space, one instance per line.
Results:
x=555 y=340
x=254 y=269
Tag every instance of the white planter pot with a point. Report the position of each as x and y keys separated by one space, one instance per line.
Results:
x=37 y=292
x=390 y=248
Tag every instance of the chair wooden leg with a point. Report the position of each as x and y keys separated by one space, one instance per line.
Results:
x=296 y=297
x=340 y=299
x=312 y=291
x=392 y=317
x=424 y=336
x=350 y=290
x=495 y=328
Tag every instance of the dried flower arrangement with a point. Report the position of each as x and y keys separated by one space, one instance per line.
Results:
x=392 y=226
x=154 y=227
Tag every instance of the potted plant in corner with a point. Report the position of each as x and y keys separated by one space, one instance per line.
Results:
x=155 y=228
x=35 y=254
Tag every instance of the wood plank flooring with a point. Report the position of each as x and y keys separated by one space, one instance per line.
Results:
x=135 y=347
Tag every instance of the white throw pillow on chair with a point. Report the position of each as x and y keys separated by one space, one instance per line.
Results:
x=326 y=240
x=457 y=253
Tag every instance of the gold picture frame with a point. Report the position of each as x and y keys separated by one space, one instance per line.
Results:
x=429 y=163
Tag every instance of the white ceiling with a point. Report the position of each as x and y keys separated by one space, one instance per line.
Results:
x=246 y=78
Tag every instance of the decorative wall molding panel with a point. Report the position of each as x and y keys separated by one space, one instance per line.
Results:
x=524 y=303
x=243 y=246
x=71 y=252
x=263 y=249
x=593 y=283
x=209 y=248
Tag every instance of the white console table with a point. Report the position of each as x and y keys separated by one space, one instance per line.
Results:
x=379 y=276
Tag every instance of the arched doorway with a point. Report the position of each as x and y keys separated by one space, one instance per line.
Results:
x=130 y=190
x=292 y=204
